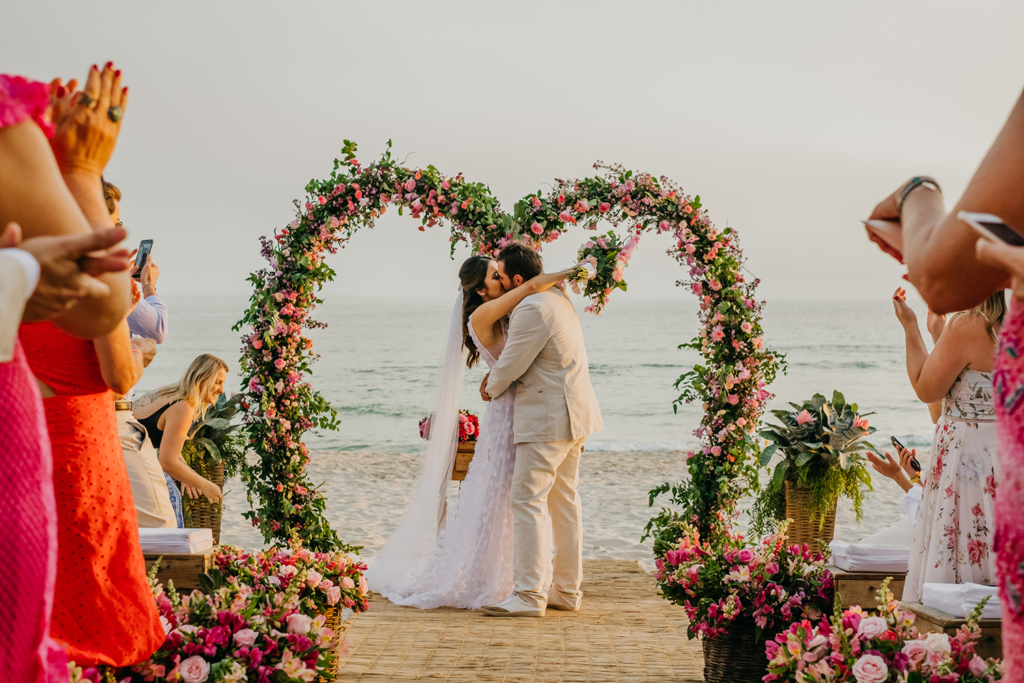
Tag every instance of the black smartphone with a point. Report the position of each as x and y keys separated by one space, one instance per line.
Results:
x=145 y=248
x=913 y=461
x=993 y=228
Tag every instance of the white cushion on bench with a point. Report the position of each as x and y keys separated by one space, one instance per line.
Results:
x=886 y=551
x=181 y=541
x=958 y=599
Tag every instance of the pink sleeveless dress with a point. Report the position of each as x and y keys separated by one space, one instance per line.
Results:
x=28 y=516
x=1009 y=537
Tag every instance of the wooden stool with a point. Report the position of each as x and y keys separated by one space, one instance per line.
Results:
x=184 y=569
x=930 y=620
x=861 y=588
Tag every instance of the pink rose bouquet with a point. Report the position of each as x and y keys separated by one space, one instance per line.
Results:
x=328 y=579
x=855 y=647
x=469 y=427
x=771 y=583
x=600 y=268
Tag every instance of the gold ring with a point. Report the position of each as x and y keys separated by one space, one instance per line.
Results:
x=86 y=101
x=115 y=113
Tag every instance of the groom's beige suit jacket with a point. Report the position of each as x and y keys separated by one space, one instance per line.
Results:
x=546 y=355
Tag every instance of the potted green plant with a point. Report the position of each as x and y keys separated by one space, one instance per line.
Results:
x=216 y=450
x=822 y=447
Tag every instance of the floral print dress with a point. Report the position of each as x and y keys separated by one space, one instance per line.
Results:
x=953 y=534
x=1009 y=522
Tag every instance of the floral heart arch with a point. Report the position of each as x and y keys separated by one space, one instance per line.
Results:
x=280 y=404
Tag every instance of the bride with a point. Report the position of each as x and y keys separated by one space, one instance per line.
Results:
x=434 y=558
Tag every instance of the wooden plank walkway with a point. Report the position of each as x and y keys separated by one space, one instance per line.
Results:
x=624 y=633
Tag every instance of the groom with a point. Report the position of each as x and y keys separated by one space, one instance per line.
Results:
x=555 y=412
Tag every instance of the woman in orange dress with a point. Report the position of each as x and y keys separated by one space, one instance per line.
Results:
x=103 y=609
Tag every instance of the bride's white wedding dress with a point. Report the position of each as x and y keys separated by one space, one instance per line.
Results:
x=470 y=563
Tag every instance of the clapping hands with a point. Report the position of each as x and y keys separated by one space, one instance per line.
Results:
x=87 y=122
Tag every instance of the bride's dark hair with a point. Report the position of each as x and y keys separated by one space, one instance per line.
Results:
x=473 y=276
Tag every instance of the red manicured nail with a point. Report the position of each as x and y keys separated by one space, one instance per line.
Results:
x=124 y=90
x=61 y=91
x=108 y=65
x=118 y=73
x=95 y=68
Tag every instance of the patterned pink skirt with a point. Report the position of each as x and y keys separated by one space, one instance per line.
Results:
x=1008 y=384
x=28 y=532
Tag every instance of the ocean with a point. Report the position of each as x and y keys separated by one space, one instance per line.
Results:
x=379 y=358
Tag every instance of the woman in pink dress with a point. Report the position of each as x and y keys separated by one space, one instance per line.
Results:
x=955 y=269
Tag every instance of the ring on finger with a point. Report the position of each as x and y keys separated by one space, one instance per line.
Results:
x=115 y=113
x=87 y=101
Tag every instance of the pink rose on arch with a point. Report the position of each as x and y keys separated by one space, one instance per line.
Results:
x=604 y=207
x=410 y=184
x=733 y=399
x=870 y=669
x=617 y=275
x=536 y=229
x=245 y=637
x=195 y=669
x=746 y=326
x=279 y=364
x=745 y=556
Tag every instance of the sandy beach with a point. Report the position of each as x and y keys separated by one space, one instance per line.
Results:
x=368 y=492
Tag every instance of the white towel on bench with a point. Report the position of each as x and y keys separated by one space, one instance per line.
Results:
x=176 y=541
x=886 y=551
x=958 y=599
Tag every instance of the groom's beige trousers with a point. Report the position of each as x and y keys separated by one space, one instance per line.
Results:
x=544 y=486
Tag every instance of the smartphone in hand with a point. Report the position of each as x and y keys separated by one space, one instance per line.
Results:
x=145 y=248
x=993 y=228
x=900 y=447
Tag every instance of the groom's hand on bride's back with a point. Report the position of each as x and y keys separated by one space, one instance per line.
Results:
x=483 y=388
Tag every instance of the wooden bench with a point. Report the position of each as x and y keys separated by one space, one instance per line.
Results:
x=183 y=569
x=930 y=620
x=861 y=588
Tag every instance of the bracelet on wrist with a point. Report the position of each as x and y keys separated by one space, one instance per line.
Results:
x=916 y=479
x=915 y=182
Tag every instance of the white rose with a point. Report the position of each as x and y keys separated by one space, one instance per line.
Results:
x=195 y=669
x=937 y=643
x=590 y=270
x=870 y=669
x=872 y=627
x=245 y=637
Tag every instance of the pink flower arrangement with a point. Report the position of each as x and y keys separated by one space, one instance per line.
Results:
x=469 y=427
x=854 y=647
x=235 y=631
x=329 y=579
x=730 y=579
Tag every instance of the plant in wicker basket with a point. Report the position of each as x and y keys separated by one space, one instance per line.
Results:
x=822 y=445
x=215 y=449
x=736 y=592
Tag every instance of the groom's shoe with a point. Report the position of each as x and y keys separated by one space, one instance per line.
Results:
x=512 y=606
x=556 y=601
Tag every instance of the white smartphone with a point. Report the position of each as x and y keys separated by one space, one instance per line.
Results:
x=992 y=227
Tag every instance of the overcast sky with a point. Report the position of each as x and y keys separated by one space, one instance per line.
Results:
x=789 y=119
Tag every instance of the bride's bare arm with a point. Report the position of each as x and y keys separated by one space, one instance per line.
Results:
x=494 y=310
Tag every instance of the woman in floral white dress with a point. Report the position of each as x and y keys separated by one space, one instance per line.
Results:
x=953 y=532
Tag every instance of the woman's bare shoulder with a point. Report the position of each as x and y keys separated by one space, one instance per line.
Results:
x=148 y=404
